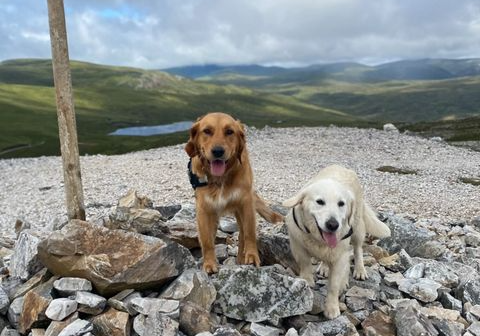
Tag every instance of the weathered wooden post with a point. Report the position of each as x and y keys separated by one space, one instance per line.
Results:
x=67 y=126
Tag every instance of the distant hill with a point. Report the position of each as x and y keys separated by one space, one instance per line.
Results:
x=108 y=97
x=197 y=71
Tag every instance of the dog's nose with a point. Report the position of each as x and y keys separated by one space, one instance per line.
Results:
x=332 y=224
x=218 y=151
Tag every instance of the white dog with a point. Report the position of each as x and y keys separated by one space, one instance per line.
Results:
x=326 y=214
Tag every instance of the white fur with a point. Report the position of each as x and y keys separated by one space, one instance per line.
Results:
x=221 y=200
x=332 y=185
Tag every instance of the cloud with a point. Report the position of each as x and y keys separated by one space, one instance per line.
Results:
x=158 y=34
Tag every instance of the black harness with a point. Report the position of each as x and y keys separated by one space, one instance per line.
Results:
x=349 y=233
x=194 y=180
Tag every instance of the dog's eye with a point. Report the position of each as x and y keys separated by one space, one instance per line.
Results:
x=341 y=204
x=229 y=132
x=207 y=131
x=321 y=202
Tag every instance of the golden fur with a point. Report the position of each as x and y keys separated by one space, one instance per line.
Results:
x=232 y=192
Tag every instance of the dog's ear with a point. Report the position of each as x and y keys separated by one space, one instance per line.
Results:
x=291 y=202
x=191 y=146
x=351 y=211
x=241 y=140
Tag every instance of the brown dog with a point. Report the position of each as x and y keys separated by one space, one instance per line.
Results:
x=219 y=157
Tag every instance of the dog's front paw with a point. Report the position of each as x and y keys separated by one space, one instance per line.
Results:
x=252 y=258
x=323 y=270
x=308 y=277
x=331 y=311
x=360 y=273
x=210 y=267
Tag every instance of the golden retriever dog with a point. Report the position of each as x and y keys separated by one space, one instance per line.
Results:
x=325 y=216
x=223 y=183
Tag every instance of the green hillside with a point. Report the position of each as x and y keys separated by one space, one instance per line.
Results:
x=107 y=98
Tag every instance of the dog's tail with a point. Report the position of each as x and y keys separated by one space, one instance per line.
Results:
x=373 y=225
x=264 y=210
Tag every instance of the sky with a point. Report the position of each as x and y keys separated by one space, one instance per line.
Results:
x=157 y=34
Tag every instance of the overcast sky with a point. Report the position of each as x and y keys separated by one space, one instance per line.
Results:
x=166 y=33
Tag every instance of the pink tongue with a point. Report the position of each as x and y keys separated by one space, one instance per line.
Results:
x=330 y=239
x=217 y=167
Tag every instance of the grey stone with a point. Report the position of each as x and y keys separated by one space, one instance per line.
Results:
x=228 y=225
x=415 y=272
x=373 y=281
x=291 y=332
x=392 y=279
x=338 y=326
x=275 y=249
x=474 y=328
x=259 y=294
x=25 y=261
x=149 y=306
x=221 y=251
x=359 y=292
x=469 y=291
x=192 y=285
x=39 y=278
x=58 y=309
x=358 y=303
x=410 y=322
x=55 y=327
x=139 y=324
x=226 y=331
x=3 y=322
x=77 y=328
x=405 y=259
x=9 y=332
x=158 y=324
x=439 y=272
x=310 y=329
x=417 y=241
x=122 y=301
x=15 y=310
x=10 y=285
x=258 y=329
x=389 y=127
x=69 y=285
x=90 y=303
x=4 y=301
x=388 y=293
x=169 y=211
x=422 y=289
x=450 y=302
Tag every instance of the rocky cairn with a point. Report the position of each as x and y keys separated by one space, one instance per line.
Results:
x=138 y=272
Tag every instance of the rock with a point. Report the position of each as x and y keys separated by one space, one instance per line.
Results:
x=25 y=261
x=439 y=272
x=450 y=302
x=259 y=294
x=194 y=319
x=112 y=260
x=422 y=289
x=338 y=326
x=388 y=293
x=389 y=127
x=77 y=328
x=228 y=225
x=39 y=278
x=469 y=291
x=226 y=331
x=378 y=324
x=258 y=329
x=192 y=285
x=36 y=302
x=291 y=332
x=358 y=303
x=410 y=322
x=58 y=309
x=392 y=279
x=70 y=286
x=3 y=322
x=167 y=212
x=392 y=263
x=122 y=301
x=37 y=332
x=440 y=313
x=373 y=281
x=139 y=324
x=447 y=328
x=90 y=303
x=158 y=324
x=56 y=327
x=221 y=251
x=275 y=249
x=417 y=242
x=4 y=301
x=149 y=306
x=359 y=292
x=474 y=328
x=10 y=285
x=9 y=332
x=15 y=310
x=415 y=272
x=111 y=323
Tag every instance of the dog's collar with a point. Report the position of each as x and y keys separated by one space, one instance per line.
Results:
x=349 y=233
x=195 y=181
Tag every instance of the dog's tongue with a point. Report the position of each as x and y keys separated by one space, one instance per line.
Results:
x=217 y=167
x=330 y=239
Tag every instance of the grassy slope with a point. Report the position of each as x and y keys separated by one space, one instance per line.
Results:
x=110 y=97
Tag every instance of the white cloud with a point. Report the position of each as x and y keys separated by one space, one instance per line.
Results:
x=157 y=34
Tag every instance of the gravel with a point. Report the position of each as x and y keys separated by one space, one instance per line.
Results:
x=283 y=160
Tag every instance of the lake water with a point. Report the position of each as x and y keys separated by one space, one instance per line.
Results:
x=154 y=130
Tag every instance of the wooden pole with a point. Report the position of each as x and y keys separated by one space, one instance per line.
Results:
x=67 y=127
